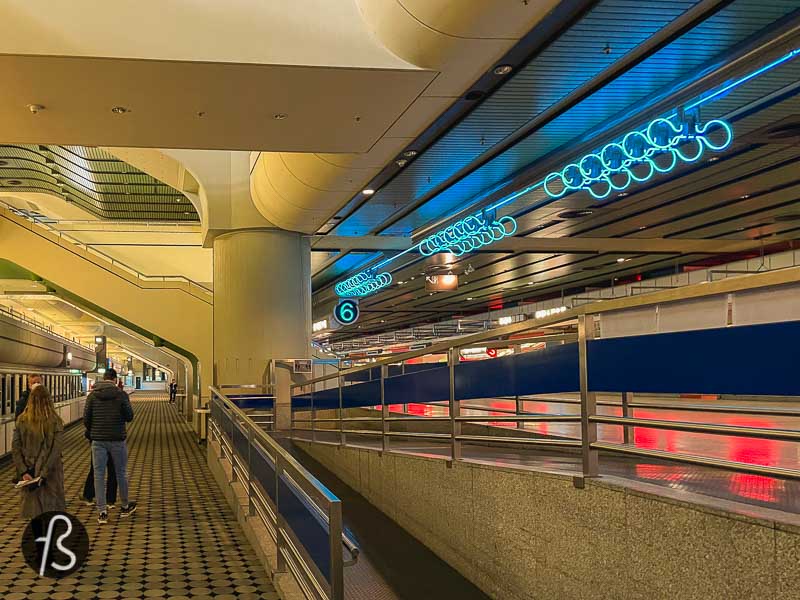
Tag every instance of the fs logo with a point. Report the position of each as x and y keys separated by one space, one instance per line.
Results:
x=55 y=544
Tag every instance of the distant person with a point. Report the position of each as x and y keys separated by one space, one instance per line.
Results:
x=120 y=384
x=36 y=451
x=107 y=411
x=33 y=381
x=173 y=391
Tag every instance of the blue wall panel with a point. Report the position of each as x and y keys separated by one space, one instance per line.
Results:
x=752 y=359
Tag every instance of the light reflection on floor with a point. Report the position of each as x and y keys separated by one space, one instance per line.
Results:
x=750 y=488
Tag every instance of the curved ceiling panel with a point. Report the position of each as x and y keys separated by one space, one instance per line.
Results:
x=302 y=191
x=93 y=180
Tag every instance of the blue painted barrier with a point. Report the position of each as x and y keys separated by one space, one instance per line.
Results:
x=745 y=359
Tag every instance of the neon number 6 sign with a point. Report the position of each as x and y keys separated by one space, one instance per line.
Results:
x=346 y=312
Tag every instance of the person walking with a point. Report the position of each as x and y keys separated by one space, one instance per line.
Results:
x=107 y=410
x=33 y=381
x=111 y=484
x=36 y=451
x=173 y=391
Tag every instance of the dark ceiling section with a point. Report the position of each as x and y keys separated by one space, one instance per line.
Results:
x=97 y=182
x=749 y=191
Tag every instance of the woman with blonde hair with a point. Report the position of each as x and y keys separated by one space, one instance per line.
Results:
x=38 y=439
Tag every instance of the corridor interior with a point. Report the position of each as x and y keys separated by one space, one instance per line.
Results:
x=183 y=541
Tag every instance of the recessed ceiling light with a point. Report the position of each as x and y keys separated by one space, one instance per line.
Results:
x=469 y=298
x=410 y=153
x=35 y=108
x=401 y=162
x=530 y=283
x=622 y=194
x=186 y=212
x=176 y=199
x=642 y=227
x=503 y=69
x=368 y=192
x=280 y=116
x=400 y=282
x=713 y=159
x=120 y=110
x=744 y=197
x=3 y=163
x=621 y=260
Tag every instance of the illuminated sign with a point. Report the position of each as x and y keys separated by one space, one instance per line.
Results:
x=319 y=325
x=505 y=320
x=657 y=148
x=346 y=312
x=541 y=314
x=441 y=283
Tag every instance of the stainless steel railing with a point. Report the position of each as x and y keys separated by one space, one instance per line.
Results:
x=277 y=487
x=579 y=324
x=61 y=238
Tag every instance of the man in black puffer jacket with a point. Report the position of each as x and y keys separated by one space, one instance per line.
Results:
x=107 y=410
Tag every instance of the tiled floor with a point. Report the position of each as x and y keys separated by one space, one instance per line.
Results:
x=182 y=542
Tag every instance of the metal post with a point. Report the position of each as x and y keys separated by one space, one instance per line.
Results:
x=454 y=407
x=626 y=429
x=518 y=403
x=279 y=541
x=588 y=399
x=403 y=372
x=342 y=439
x=337 y=562
x=384 y=411
x=313 y=417
x=251 y=507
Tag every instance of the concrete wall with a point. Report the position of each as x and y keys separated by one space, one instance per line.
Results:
x=522 y=535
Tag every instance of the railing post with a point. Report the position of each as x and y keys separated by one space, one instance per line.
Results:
x=518 y=406
x=279 y=541
x=403 y=372
x=251 y=507
x=454 y=408
x=626 y=429
x=313 y=417
x=588 y=399
x=384 y=410
x=337 y=562
x=342 y=438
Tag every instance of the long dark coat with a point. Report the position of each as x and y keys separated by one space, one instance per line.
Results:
x=44 y=455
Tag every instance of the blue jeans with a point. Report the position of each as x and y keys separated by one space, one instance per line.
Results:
x=119 y=456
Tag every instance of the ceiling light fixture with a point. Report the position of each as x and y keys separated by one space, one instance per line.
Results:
x=469 y=298
x=280 y=116
x=120 y=110
x=410 y=153
x=368 y=192
x=503 y=69
x=35 y=108
x=401 y=162
x=3 y=163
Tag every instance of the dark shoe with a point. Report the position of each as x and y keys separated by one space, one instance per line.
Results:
x=102 y=517
x=127 y=511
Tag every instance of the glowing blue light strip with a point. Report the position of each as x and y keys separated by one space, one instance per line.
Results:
x=366 y=282
x=657 y=148
x=466 y=235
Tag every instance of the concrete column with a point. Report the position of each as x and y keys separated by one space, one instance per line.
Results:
x=262 y=308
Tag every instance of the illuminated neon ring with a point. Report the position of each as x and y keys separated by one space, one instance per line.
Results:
x=658 y=148
x=362 y=283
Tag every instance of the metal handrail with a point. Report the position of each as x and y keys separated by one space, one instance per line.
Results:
x=587 y=416
x=691 y=292
x=60 y=235
x=291 y=554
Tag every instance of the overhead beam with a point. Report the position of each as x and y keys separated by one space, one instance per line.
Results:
x=332 y=243
x=636 y=245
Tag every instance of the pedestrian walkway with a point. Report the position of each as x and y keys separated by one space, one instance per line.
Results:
x=183 y=541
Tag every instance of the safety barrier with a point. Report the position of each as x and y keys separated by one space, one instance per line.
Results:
x=748 y=359
x=303 y=517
